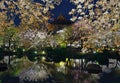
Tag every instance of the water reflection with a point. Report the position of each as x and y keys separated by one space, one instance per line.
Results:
x=38 y=73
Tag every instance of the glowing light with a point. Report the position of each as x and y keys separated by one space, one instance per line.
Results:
x=43 y=52
x=23 y=50
x=77 y=60
x=97 y=50
x=113 y=49
x=35 y=52
x=94 y=52
x=66 y=59
x=6 y=45
x=35 y=58
x=62 y=63
x=43 y=58
x=14 y=50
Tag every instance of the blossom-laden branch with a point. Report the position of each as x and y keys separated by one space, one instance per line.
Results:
x=102 y=21
x=28 y=11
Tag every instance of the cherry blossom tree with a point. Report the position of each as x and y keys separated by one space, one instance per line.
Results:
x=28 y=11
x=93 y=17
x=29 y=14
x=102 y=18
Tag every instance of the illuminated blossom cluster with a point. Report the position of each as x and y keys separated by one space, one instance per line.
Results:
x=102 y=15
x=92 y=19
x=109 y=39
x=93 y=8
x=29 y=12
x=37 y=38
x=50 y=2
x=102 y=21
x=82 y=9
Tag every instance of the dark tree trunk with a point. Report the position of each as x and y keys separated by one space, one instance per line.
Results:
x=9 y=49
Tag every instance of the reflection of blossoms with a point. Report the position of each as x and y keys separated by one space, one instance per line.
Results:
x=35 y=73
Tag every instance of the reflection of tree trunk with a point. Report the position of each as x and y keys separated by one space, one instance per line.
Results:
x=23 y=61
x=79 y=64
x=8 y=59
x=9 y=43
x=116 y=64
x=67 y=66
x=69 y=62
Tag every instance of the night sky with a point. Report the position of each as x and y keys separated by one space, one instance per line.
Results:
x=64 y=7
